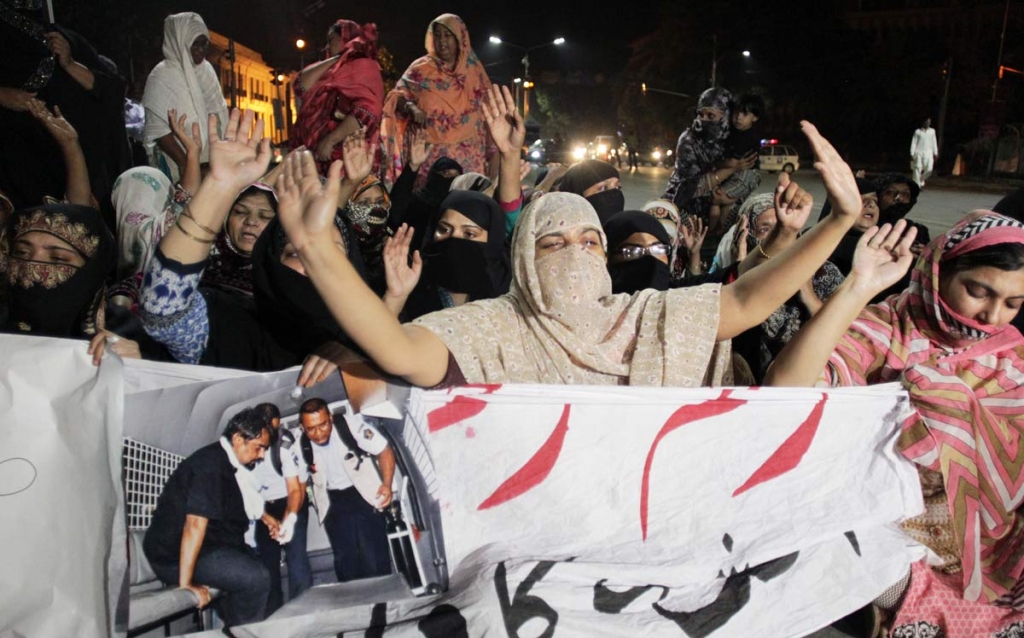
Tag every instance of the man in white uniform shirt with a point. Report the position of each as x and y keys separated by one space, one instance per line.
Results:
x=924 y=150
x=355 y=528
x=282 y=483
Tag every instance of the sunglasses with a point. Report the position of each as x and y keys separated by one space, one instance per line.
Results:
x=629 y=253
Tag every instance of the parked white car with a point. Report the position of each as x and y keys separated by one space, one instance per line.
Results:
x=779 y=157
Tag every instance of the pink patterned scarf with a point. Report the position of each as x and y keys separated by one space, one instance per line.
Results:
x=966 y=382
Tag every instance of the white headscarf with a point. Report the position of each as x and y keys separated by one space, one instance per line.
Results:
x=177 y=83
x=560 y=323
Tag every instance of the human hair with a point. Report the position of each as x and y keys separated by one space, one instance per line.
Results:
x=250 y=423
x=312 y=406
x=750 y=103
x=1007 y=256
x=269 y=411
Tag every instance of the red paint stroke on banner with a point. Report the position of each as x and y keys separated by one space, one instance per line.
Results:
x=536 y=469
x=455 y=411
x=790 y=453
x=683 y=416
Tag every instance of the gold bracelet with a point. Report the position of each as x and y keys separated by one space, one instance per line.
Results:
x=761 y=250
x=177 y=223
x=188 y=213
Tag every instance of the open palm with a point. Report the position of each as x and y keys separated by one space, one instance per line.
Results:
x=243 y=155
x=883 y=255
x=306 y=206
x=400 y=276
x=503 y=119
x=839 y=180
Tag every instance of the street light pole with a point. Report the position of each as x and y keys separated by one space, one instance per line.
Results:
x=527 y=83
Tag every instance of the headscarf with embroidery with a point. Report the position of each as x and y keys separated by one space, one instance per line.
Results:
x=57 y=299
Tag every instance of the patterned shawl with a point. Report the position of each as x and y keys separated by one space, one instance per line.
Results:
x=450 y=98
x=966 y=382
x=689 y=186
x=352 y=87
x=560 y=323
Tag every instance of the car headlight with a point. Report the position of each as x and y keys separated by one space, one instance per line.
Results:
x=656 y=155
x=602 y=149
x=579 y=153
x=668 y=153
x=535 y=155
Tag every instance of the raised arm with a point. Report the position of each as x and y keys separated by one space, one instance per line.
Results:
x=77 y=189
x=759 y=292
x=192 y=141
x=509 y=133
x=881 y=259
x=306 y=209
x=235 y=162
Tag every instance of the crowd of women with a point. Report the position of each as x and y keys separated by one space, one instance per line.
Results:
x=400 y=227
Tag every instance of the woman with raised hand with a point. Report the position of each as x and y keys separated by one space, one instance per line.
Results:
x=560 y=323
x=948 y=339
x=285 y=323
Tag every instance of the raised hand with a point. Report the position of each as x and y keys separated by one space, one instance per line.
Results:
x=190 y=138
x=306 y=207
x=15 y=99
x=243 y=155
x=55 y=124
x=358 y=156
x=882 y=257
x=503 y=119
x=792 y=204
x=838 y=178
x=693 y=240
x=419 y=149
x=401 y=278
x=739 y=240
x=524 y=169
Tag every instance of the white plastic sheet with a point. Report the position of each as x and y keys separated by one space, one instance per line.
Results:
x=62 y=541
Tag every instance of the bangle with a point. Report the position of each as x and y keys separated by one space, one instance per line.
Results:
x=760 y=249
x=177 y=223
x=188 y=213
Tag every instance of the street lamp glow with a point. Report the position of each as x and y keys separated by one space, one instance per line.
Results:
x=280 y=77
x=495 y=39
x=746 y=54
x=559 y=41
x=300 y=44
x=517 y=80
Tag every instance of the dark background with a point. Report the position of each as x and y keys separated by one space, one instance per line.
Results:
x=866 y=71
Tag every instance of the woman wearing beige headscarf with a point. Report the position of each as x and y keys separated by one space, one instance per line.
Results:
x=559 y=323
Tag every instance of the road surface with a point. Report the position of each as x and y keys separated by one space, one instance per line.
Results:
x=937 y=209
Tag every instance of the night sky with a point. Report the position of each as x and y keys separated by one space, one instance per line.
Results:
x=595 y=40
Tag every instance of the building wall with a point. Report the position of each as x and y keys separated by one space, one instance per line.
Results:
x=253 y=87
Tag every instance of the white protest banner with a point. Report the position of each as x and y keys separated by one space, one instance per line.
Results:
x=570 y=511
x=62 y=542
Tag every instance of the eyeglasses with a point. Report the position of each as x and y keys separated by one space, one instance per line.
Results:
x=629 y=253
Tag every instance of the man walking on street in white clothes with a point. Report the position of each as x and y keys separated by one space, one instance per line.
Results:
x=924 y=151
